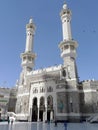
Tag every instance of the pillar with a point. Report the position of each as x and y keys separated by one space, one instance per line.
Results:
x=38 y=114
x=46 y=110
x=55 y=111
x=38 y=110
x=51 y=116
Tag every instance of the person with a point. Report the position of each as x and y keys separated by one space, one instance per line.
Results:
x=65 y=125
x=55 y=122
x=8 y=120
x=12 y=121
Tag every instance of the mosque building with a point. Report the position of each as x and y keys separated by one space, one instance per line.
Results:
x=54 y=93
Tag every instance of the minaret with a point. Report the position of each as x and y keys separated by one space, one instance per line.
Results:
x=27 y=64
x=68 y=45
x=28 y=56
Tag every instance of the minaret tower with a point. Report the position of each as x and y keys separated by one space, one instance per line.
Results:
x=68 y=45
x=28 y=56
x=27 y=64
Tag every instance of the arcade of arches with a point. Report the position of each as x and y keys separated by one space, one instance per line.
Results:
x=42 y=109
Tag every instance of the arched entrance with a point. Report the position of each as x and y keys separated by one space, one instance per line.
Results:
x=49 y=107
x=42 y=108
x=34 y=110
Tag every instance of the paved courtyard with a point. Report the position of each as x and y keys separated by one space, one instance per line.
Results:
x=45 y=126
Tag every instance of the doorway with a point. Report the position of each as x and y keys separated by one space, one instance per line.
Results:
x=34 y=110
x=48 y=115
x=41 y=115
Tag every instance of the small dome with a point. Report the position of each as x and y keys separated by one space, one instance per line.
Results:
x=65 y=6
x=31 y=21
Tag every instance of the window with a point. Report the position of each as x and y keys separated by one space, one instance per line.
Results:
x=24 y=58
x=64 y=12
x=42 y=101
x=68 y=12
x=63 y=73
x=66 y=47
x=29 y=58
x=72 y=47
x=31 y=26
x=50 y=100
x=35 y=90
x=42 y=89
x=49 y=89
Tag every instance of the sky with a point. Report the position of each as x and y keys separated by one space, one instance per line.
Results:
x=15 y=14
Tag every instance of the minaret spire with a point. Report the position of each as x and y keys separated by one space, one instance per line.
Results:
x=30 y=21
x=64 y=2
x=30 y=31
x=66 y=19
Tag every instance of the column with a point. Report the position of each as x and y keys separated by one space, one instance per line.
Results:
x=46 y=110
x=46 y=114
x=38 y=114
x=38 y=111
x=51 y=116
x=30 y=115
x=55 y=111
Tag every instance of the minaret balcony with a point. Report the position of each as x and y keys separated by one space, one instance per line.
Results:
x=28 y=59
x=28 y=54
x=30 y=26
x=27 y=64
x=68 y=42
x=65 y=12
x=69 y=54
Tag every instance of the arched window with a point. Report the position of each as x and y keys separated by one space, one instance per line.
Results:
x=42 y=89
x=49 y=89
x=42 y=101
x=35 y=101
x=50 y=100
x=35 y=90
x=63 y=73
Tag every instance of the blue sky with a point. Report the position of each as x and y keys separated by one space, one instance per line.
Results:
x=15 y=14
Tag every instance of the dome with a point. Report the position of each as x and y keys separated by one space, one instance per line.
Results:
x=31 y=21
x=65 y=6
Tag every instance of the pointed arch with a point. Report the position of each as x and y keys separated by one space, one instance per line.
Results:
x=49 y=89
x=34 y=109
x=50 y=100
x=42 y=101
x=35 y=101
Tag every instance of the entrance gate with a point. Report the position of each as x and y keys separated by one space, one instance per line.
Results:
x=34 y=110
x=41 y=115
x=48 y=115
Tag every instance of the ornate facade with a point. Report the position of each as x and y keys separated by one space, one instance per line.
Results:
x=54 y=93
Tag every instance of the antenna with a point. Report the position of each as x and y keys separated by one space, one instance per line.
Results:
x=64 y=1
